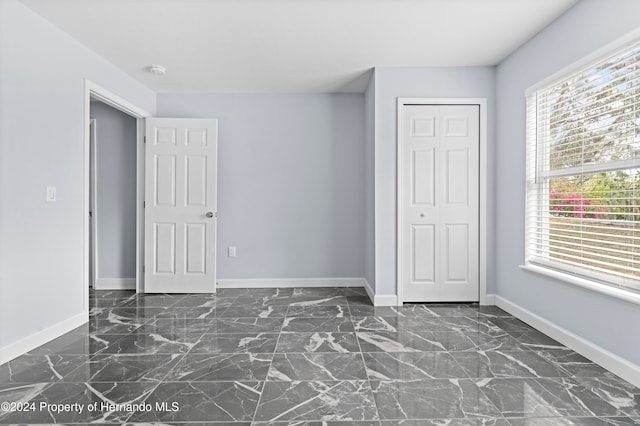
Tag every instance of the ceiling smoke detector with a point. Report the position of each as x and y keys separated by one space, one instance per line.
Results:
x=157 y=69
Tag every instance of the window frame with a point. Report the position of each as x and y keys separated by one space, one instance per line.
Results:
x=591 y=280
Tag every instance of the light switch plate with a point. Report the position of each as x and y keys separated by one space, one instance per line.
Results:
x=51 y=193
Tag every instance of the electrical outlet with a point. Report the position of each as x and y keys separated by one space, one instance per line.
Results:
x=232 y=251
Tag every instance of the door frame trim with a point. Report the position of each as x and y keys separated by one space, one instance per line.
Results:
x=93 y=189
x=93 y=91
x=482 y=103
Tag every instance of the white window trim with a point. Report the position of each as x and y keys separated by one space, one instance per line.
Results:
x=608 y=289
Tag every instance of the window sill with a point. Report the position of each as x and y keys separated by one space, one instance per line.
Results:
x=614 y=292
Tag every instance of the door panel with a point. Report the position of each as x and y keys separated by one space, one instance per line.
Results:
x=165 y=248
x=423 y=177
x=196 y=180
x=457 y=176
x=165 y=180
x=180 y=205
x=196 y=234
x=456 y=250
x=440 y=193
x=424 y=245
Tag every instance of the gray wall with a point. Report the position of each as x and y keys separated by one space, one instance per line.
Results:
x=291 y=181
x=116 y=171
x=605 y=321
x=391 y=83
x=369 y=182
x=42 y=72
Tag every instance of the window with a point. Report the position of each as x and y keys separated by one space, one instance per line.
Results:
x=583 y=172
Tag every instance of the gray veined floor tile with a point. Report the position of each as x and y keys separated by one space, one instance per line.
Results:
x=328 y=401
x=416 y=310
x=575 y=421
x=73 y=344
x=408 y=341
x=489 y=421
x=236 y=343
x=492 y=311
x=355 y=291
x=40 y=368
x=19 y=393
x=184 y=313
x=247 y=325
x=221 y=367
x=302 y=324
x=319 y=423
x=152 y=344
x=317 y=342
x=159 y=300
x=203 y=402
x=475 y=341
x=177 y=327
x=374 y=311
x=512 y=324
x=411 y=366
x=581 y=421
x=318 y=311
x=317 y=366
x=124 y=368
x=203 y=301
x=113 y=326
x=254 y=292
x=431 y=399
x=132 y=313
x=533 y=340
x=214 y=354
x=238 y=310
x=574 y=363
x=308 y=301
x=486 y=364
x=83 y=394
x=375 y=324
x=452 y=310
x=623 y=396
x=321 y=291
x=469 y=323
x=547 y=397
x=361 y=300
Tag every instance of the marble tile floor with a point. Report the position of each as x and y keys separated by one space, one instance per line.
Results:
x=306 y=357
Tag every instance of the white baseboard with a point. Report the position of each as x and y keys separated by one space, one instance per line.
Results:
x=34 y=340
x=380 y=299
x=385 y=300
x=612 y=362
x=290 y=282
x=489 y=300
x=370 y=292
x=115 y=284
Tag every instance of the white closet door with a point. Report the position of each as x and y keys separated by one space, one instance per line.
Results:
x=440 y=148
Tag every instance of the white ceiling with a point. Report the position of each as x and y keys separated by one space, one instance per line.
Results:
x=294 y=45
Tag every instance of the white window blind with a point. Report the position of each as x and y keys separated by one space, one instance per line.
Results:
x=583 y=175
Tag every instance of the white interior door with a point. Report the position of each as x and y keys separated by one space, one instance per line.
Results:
x=440 y=203
x=180 y=205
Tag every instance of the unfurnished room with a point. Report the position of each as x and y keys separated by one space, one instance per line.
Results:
x=320 y=212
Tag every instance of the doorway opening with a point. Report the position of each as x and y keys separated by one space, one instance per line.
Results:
x=112 y=198
x=104 y=98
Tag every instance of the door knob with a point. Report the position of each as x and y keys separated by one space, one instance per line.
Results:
x=210 y=215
